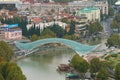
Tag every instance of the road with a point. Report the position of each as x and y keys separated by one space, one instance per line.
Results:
x=107 y=30
x=106 y=27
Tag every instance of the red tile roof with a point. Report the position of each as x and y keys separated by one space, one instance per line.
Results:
x=36 y=20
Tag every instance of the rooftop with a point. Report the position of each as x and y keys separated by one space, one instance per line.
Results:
x=88 y=9
x=10 y=26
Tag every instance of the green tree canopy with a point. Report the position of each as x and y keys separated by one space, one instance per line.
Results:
x=110 y=11
x=48 y=32
x=1 y=77
x=79 y=63
x=71 y=37
x=95 y=65
x=117 y=17
x=113 y=40
x=6 y=52
x=10 y=71
x=102 y=74
x=94 y=28
x=117 y=72
x=116 y=23
x=58 y=30
x=65 y=20
x=34 y=37
x=72 y=27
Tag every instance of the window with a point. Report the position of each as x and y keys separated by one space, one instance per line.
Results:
x=83 y=15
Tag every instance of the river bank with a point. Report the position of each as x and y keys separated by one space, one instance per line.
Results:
x=42 y=65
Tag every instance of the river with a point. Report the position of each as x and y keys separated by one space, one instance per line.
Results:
x=43 y=65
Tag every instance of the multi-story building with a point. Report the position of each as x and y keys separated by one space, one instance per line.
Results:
x=42 y=25
x=10 y=3
x=101 y=4
x=89 y=14
x=70 y=6
x=10 y=32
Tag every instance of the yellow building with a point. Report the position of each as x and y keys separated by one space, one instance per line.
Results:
x=89 y=14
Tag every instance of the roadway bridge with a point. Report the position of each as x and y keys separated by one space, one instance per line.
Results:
x=79 y=48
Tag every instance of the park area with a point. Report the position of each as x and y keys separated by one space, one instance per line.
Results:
x=112 y=59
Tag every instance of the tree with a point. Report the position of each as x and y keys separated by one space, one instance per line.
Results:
x=65 y=20
x=117 y=17
x=115 y=23
x=102 y=74
x=113 y=40
x=110 y=11
x=6 y=51
x=49 y=33
x=1 y=18
x=10 y=71
x=95 y=65
x=58 y=30
x=71 y=37
x=115 y=26
x=117 y=72
x=1 y=77
x=72 y=27
x=94 y=28
x=79 y=64
x=34 y=37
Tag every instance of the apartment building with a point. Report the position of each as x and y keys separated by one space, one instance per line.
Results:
x=10 y=32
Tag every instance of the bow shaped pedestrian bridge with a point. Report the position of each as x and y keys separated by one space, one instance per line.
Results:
x=31 y=47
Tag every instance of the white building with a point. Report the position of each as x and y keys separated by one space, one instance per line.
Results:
x=42 y=25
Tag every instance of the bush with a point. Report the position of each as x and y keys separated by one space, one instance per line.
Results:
x=114 y=55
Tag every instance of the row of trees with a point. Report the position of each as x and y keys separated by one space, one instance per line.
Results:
x=97 y=68
x=49 y=33
x=8 y=69
x=53 y=31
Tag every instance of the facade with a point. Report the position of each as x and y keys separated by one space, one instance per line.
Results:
x=101 y=4
x=89 y=14
x=11 y=32
x=42 y=25
x=14 y=3
x=70 y=6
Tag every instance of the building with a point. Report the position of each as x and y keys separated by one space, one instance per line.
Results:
x=101 y=4
x=10 y=3
x=10 y=32
x=89 y=14
x=42 y=25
